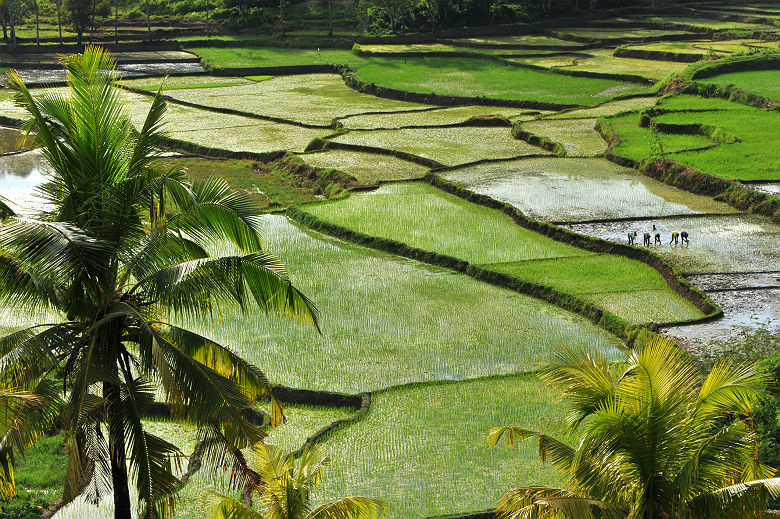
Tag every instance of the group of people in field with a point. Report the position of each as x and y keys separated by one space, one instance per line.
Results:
x=677 y=237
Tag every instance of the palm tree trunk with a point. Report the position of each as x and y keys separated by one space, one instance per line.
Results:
x=207 y=17
x=330 y=17
x=92 y=24
x=281 y=14
x=148 y=24
x=116 y=21
x=5 y=26
x=59 y=20
x=13 y=27
x=37 y=26
x=116 y=442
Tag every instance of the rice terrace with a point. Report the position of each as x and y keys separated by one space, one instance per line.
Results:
x=389 y=258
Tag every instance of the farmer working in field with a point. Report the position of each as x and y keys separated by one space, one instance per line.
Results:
x=684 y=237
x=646 y=236
x=631 y=237
x=675 y=238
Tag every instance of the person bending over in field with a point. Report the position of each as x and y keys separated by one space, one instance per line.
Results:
x=630 y=237
x=684 y=237
x=675 y=238
x=646 y=237
x=657 y=237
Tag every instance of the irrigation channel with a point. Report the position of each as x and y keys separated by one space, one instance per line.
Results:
x=422 y=320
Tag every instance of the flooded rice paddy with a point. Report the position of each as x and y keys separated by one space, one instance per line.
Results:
x=571 y=190
x=717 y=243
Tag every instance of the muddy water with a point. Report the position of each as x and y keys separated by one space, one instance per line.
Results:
x=11 y=141
x=717 y=243
x=743 y=310
x=32 y=75
x=19 y=176
x=579 y=189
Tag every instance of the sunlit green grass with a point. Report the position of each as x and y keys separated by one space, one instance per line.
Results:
x=704 y=22
x=274 y=56
x=764 y=82
x=475 y=77
x=524 y=39
x=610 y=33
x=638 y=143
x=748 y=159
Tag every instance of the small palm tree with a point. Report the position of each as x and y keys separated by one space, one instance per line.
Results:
x=656 y=442
x=25 y=417
x=118 y=247
x=286 y=488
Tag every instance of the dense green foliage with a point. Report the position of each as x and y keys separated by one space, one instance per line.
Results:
x=655 y=440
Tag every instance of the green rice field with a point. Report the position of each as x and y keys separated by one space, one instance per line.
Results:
x=311 y=98
x=449 y=146
x=436 y=117
x=764 y=82
x=707 y=23
x=717 y=244
x=224 y=131
x=423 y=217
x=423 y=332
x=578 y=136
x=526 y=39
x=425 y=433
x=474 y=77
x=748 y=159
x=602 y=61
x=445 y=356
x=615 y=33
x=368 y=168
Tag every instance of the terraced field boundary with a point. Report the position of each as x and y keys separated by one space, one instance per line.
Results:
x=693 y=180
x=226 y=111
x=352 y=80
x=556 y=148
x=318 y=144
x=614 y=324
x=619 y=40
x=625 y=51
x=674 y=279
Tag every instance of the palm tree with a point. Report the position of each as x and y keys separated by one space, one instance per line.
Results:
x=287 y=485
x=120 y=246
x=26 y=417
x=656 y=441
